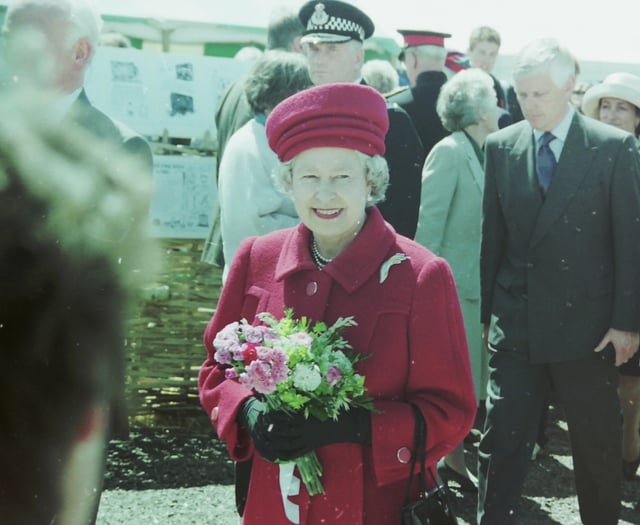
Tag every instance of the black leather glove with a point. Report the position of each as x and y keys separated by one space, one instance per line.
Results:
x=250 y=412
x=304 y=435
x=268 y=430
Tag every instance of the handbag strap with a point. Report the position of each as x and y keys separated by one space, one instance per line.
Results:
x=419 y=453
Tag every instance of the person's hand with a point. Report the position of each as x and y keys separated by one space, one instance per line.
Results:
x=278 y=435
x=268 y=430
x=625 y=344
x=307 y=434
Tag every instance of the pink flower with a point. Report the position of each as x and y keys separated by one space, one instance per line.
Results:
x=258 y=377
x=230 y=373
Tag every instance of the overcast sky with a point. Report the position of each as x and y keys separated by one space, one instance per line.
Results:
x=603 y=31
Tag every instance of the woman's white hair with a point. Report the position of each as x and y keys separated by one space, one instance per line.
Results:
x=465 y=98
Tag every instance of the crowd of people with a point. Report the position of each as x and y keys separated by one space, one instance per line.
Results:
x=530 y=202
x=484 y=238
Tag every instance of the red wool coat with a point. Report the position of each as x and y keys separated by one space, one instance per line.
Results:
x=410 y=324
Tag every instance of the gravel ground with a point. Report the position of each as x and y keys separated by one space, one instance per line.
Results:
x=174 y=476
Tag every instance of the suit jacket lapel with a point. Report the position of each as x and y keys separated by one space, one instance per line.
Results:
x=572 y=168
x=81 y=110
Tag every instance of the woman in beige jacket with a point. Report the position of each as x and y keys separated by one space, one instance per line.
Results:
x=450 y=217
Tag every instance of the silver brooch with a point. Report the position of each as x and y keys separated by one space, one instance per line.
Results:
x=320 y=16
x=386 y=266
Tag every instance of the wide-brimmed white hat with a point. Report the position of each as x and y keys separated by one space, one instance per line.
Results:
x=624 y=86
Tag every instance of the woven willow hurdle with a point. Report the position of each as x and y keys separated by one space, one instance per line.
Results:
x=164 y=344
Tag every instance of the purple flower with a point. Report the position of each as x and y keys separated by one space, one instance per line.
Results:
x=222 y=355
x=229 y=331
x=227 y=336
x=333 y=375
x=254 y=334
x=238 y=351
x=230 y=373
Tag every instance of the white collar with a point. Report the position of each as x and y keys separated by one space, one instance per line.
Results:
x=562 y=129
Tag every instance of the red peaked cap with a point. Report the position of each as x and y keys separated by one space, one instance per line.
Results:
x=350 y=116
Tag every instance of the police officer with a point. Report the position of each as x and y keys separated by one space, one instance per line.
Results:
x=424 y=56
x=333 y=43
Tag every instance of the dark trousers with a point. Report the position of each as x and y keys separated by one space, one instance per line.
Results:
x=518 y=392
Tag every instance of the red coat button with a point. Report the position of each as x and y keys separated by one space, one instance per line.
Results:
x=312 y=288
x=403 y=455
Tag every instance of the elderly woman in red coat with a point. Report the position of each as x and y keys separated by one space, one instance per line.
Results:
x=342 y=260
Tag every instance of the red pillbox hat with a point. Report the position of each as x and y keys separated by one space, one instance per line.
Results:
x=350 y=116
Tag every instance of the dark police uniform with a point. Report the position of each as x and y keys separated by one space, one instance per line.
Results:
x=420 y=103
x=333 y=21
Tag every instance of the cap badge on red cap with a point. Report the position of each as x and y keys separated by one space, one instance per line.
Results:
x=320 y=16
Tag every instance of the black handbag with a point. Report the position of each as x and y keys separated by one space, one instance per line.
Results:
x=433 y=507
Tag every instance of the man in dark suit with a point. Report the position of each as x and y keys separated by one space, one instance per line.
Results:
x=333 y=43
x=560 y=287
x=51 y=45
x=424 y=56
x=233 y=111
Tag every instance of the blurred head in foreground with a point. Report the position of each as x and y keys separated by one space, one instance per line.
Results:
x=52 y=42
x=71 y=221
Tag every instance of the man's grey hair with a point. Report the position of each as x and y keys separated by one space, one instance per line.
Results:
x=82 y=16
x=545 y=56
x=429 y=51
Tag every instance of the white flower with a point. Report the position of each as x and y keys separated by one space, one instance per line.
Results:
x=306 y=377
x=302 y=339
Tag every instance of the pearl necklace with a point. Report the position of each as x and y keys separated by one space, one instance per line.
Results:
x=317 y=257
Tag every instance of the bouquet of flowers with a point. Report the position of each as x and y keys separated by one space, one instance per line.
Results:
x=292 y=365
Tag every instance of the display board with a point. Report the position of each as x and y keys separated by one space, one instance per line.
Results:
x=183 y=198
x=158 y=93
x=168 y=95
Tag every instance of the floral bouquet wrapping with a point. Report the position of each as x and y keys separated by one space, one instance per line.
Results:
x=294 y=365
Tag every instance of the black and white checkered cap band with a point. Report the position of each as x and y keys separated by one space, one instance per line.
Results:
x=340 y=27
